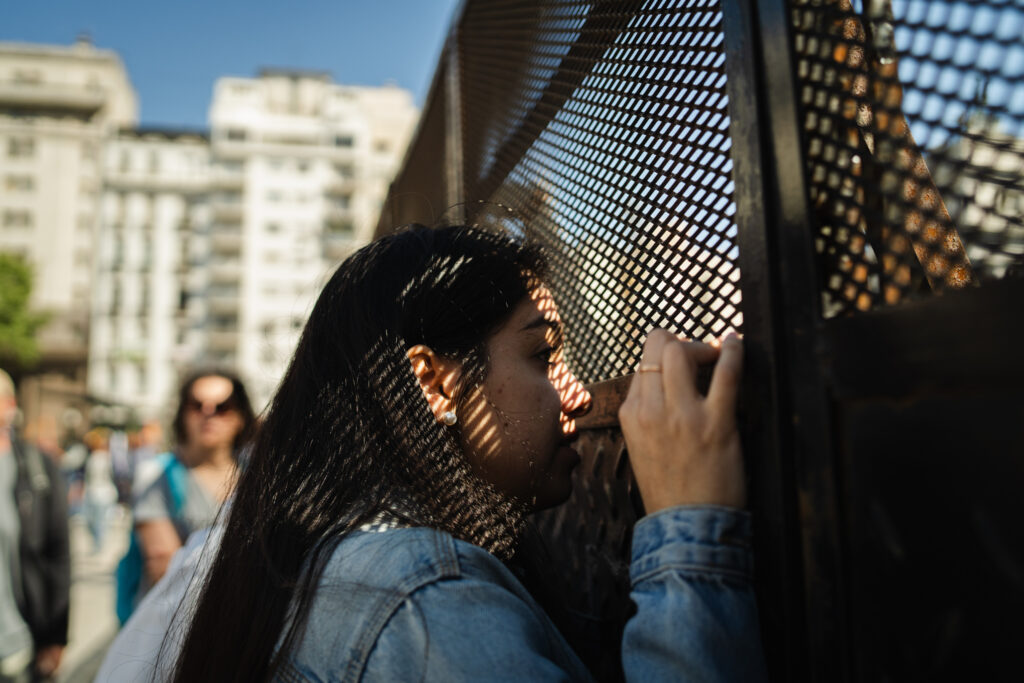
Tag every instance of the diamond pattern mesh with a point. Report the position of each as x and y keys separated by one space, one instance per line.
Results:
x=605 y=127
x=913 y=117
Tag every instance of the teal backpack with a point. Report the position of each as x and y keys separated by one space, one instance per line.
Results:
x=129 y=570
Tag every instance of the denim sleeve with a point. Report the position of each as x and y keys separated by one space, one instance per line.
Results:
x=470 y=630
x=696 y=616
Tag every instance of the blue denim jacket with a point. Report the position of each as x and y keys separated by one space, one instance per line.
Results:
x=414 y=604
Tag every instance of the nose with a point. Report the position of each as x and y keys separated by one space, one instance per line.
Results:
x=575 y=398
x=209 y=409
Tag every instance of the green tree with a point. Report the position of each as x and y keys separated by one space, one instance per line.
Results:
x=18 y=324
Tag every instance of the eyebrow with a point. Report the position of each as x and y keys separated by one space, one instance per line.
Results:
x=541 y=321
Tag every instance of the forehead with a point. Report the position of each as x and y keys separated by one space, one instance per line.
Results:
x=212 y=388
x=536 y=314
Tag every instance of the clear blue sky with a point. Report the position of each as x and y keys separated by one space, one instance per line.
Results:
x=174 y=51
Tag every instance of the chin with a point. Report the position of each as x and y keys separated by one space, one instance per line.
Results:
x=554 y=494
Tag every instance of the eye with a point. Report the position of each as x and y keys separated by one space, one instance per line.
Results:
x=546 y=355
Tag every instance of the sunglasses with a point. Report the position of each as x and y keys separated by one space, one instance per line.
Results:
x=225 y=406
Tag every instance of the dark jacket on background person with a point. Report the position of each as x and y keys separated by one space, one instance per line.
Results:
x=44 y=592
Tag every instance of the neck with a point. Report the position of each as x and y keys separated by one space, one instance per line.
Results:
x=218 y=457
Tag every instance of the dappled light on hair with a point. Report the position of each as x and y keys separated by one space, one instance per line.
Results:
x=350 y=436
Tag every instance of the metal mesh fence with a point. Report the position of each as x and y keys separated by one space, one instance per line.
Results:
x=913 y=115
x=602 y=130
x=604 y=125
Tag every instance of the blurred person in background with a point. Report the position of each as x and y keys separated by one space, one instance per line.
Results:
x=180 y=492
x=35 y=561
x=143 y=445
x=122 y=467
x=100 y=494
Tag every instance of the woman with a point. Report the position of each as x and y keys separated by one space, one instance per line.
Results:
x=180 y=492
x=426 y=412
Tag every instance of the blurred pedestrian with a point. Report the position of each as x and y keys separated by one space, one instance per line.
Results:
x=100 y=494
x=377 y=531
x=35 y=562
x=180 y=492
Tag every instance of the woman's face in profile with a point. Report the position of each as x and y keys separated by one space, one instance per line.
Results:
x=518 y=426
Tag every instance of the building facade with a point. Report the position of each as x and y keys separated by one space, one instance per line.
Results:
x=305 y=165
x=160 y=251
x=58 y=107
x=144 y=327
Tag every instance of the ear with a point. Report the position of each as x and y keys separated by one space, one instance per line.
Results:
x=437 y=377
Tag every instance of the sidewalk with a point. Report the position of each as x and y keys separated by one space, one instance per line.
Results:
x=93 y=621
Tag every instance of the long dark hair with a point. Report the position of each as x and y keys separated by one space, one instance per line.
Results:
x=349 y=434
x=239 y=396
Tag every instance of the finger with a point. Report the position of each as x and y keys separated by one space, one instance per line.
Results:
x=680 y=373
x=700 y=352
x=646 y=387
x=725 y=380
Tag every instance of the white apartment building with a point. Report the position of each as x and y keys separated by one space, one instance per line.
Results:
x=316 y=159
x=145 y=328
x=161 y=251
x=58 y=105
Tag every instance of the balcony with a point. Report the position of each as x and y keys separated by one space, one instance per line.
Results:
x=224 y=242
x=222 y=300
x=222 y=303
x=52 y=97
x=228 y=213
x=226 y=272
x=223 y=179
x=220 y=339
x=340 y=188
x=339 y=222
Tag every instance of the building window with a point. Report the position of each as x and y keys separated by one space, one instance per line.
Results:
x=382 y=146
x=302 y=166
x=21 y=148
x=14 y=218
x=140 y=378
x=236 y=134
x=117 y=258
x=274 y=196
x=343 y=170
x=154 y=162
x=20 y=183
x=343 y=141
x=125 y=163
x=273 y=227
